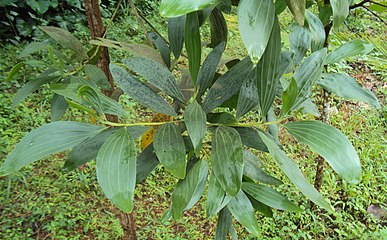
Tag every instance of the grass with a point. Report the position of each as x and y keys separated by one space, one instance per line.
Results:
x=41 y=201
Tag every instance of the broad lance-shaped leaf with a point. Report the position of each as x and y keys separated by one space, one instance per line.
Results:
x=267 y=70
x=96 y=75
x=140 y=92
x=66 y=39
x=218 y=26
x=294 y=173
x=307 y=74
x=251 y=138
x=170 y=149
x=297 y=7
x=193 y=44
x=227 y=85
x=227 y=159
x=289 y=97
x=189 y=190
x=147 y=161
x=176 y=27
x=270 y=197
x=195 y=119
x=109 y=106
x=340 y=10
x=300 y=40
x=252 y=170
x=116 y=169
x=216 y=197
x=156 y=74
x=347 y=87
x=88 y=149
x=317 y=31
x=263 y=208
x=162 y=46
x=331 y=144
x=248 y=97
x=349 y=49
x=174 y=8
x=224 y=224
x=208 y=69
x=241 y=208
x=31 y=86
x=46 y=140
x=58 y=107
x=255 y=21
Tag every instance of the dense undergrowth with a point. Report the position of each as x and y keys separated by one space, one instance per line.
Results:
x=41 y=201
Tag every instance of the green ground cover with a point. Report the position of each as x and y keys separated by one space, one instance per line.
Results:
x=43 y=202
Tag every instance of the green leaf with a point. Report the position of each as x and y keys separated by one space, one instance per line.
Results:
x=109 y=106
x=294 y=173
x=162 y=46
x=221 y=118
x=227 y=85
x=286 y=63
x=140 y=92
x=208 y=69
x=300 y=42
x=156 y=74
x=317 y=31
x=349 y=49
x=224 y=224
x=195 y=119
x=90 y=95
x=32 y=48
x=227 y=159
x=218 y=26
x=297 y=7
x=176 y=27
x=241 y=208
x=255 y=21
x=347 y=87
x=308 y=106
x=146 y=162
x=280 y=6
x=31 y=86
x=217 y=198
x=325 y=14
x=340 y=10
x=14 y=71
x=96 y=75
x=248 y=97
x=175 y=8
x=135 y=49
x=254 y=172
x=116 y=169
x=193 y=44
x=251 y=138
x=307 y=74
x=269 y=197
x=58 y=107
x=88 y=149
x=263 y=208
x=289 y=97
x=170 y=149
x=267 y=70
x=67 y=40
x=46 y=140
x=189 y=190
x=331 y=144
x=39 y=6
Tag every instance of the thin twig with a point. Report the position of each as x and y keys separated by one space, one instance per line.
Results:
x=380 y=4
x=360 y=4
x=153 y=28
x=139 y=19
x=376 y=15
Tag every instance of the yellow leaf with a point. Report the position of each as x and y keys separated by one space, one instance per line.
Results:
x=147 y=137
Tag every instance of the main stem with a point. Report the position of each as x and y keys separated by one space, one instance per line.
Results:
x=97 y=29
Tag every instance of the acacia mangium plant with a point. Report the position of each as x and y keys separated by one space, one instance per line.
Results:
x=206 y=140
